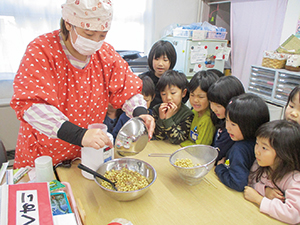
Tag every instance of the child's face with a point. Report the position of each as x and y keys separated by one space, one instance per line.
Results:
x=198 y=100
x=292 y=112
x=264 y=153
x=218 y=109
x=111 y=109
x=233 y=130
x=172 y=94
x=148 y=99
x=161 y=65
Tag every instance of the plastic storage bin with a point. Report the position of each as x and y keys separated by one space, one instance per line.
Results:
x=179 y=32
x=216 y=35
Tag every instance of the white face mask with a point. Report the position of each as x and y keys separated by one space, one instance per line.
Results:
x=84 y=45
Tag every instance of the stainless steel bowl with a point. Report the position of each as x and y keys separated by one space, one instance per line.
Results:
x=199 y=154
x=132 y=137
x=137 y=165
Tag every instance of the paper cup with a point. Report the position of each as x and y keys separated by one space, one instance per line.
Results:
x=44 y=169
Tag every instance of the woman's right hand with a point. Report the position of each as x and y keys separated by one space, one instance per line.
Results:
x=272 y=193
x=96 y=138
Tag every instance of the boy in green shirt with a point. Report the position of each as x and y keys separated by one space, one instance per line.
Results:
x=172 y=117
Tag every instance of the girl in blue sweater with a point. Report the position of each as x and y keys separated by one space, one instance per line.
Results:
x=219 y=95
x=244 y=115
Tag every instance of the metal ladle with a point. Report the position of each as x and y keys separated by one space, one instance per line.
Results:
x=86 y=169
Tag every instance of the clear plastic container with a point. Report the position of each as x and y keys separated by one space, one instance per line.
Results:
x=92 y=157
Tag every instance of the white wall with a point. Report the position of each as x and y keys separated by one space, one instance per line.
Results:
x=291 y=18
x=167 y=12
x=9 y=127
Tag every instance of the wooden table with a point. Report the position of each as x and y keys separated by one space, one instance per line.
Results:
x=169 y=200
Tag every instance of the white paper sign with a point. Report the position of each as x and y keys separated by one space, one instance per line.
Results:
x=198 y=54
x=27 y=207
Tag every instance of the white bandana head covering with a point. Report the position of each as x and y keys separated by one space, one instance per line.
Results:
x=88 y=14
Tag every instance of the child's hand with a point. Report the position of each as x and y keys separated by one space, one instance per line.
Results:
x=172 y=108
x=252 y=195
x=272 y=193
x=221 y=161
x=163 y=108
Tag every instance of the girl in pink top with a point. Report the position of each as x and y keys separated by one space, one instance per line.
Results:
x=277 y=165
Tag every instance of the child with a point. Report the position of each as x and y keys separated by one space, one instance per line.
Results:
x=148 y=91
x=173 y=118
x=278 y=166
x=202 y=128
x=162 y=57
x=217 y=72
x=111 y=117
x=219 y=95
x=292 y=108
x=292 y=114
x=244 y=115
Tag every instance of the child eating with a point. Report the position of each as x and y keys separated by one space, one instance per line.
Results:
x=172 y=117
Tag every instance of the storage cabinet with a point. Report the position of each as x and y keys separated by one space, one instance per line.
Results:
x=274 y=86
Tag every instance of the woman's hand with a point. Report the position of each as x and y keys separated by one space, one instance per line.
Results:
x=272 y=193
x=96 y=138
x=150 y=124
x=252 y=195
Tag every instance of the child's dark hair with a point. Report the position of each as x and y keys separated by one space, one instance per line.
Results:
x=284 y=138
x=249 y=111
x=160 y=48
x=202 y=79
x=292 y=95
x=148 y=85
x=224 y=89
x=172 y=77
x=217 y=72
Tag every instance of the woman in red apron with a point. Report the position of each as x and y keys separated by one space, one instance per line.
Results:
x=66 y=80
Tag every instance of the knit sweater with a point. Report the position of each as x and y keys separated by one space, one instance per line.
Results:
x=222 y=141
x=240 y=157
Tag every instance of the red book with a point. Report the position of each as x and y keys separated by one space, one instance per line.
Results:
x=29 y=203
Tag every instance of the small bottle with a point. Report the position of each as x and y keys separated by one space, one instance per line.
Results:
x=92 y=157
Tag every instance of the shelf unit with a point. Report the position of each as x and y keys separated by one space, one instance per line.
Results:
x=273 y=85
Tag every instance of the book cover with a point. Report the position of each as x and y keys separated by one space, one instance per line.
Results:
x=60 y=204
x=29 y=203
